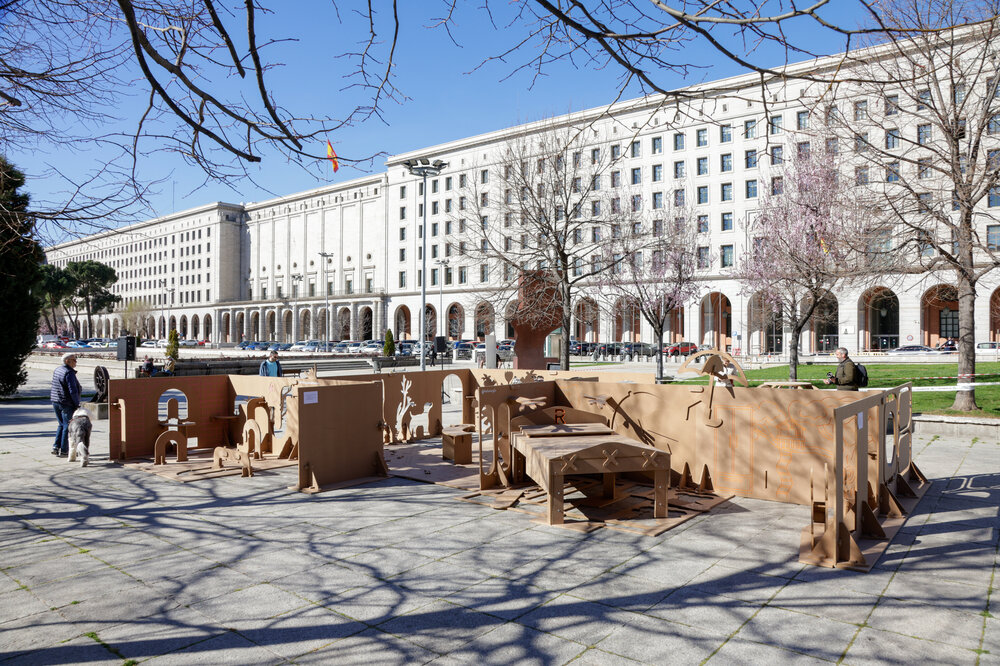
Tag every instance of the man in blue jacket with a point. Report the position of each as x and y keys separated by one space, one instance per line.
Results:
x=65 y=397
x=271 y=367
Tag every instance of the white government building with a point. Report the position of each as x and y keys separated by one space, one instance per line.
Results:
x=272 y=270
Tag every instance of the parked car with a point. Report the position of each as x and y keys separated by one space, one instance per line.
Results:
x=911 y=349
x=988 y=345
x=298 y=345
x=162 y=342
x=638 y=349
x=52 y=344
x=187 y=343
x=77 y=344
x=680 y=349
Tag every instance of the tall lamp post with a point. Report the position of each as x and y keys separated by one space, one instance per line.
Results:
x=326 y=287
x=169 y=292
x=423 y=168
x=443 y=263
x=296 y=279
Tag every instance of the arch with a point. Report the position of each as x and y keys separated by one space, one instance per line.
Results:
x=878 y=319
x=150 y=328
x=206 y=326
x=586 y=320
x=183 y=330
x=456 y=322
x=161 y=327
x=401 y=323
x=509 y=312
x=172 y=324
x=305 y=324
x=675 y=325
x=430 y=322
x=226 y=328
x=939 y=314
x=344 y=323
x=322 y=324
x=717 y=321
x=115 y=330
x=628 y=319
x=254 y=332
x=995 y=316
x=485 y=320
x=766 y=326
x=365 y=323
x=824 y=324
x=195 y=327
x=270 y=325
x=286 y=325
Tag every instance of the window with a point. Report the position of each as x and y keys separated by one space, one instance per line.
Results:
x=832 y=115
x=923 y=99
x=726 y=192
x=923 y=134
x=702 y=166
x=484 y=176
x=703 y=224
x=892 y=139
x=595 y=235
x=802 y=120
x=447 y=184
x=750 y=157
x=802 y=149
x=726 y=162
x=658 y=227
x=727 y=221
x=924 y=167
x=402 y=191
x=993 y=237
x=595 y=155
x=725 y=133
x=703 y=194
x=434 y=186
x=993 y=125
x=833 y=146
x=860 y=110
x=461 y=203
x=402 y=233
x=595 y=208
x=948 y=323
x=636 y=203
x=861 y=143
x=751 y=189
x=657 y=200
x=616 y=151
x=597 y=183
x=616 y=205
x=701 y=138
x=402 y=254
x=402 y=212
x=679 y=198
x=657 y=173
x=861 y=175
x=750 y=129
x=447 y=205
x=891 y=105
x=992 y=88
x=435 y=209
x=726 y=256
x=461 y=180
x=777 y=154
x=656 y=145
x=637 y=176
x=434 y=276
x=774 y=125
x=703 y=257
x=402 y=279
x=635 y=150
x=892 y=172
x=777 y=185
x=925 y=201
x=679 y=170
x=434 y=228
x=993 y=160
x=679 y=141
x=576 y=160
x=993 y=200
x=616 y=179
x=958 y=93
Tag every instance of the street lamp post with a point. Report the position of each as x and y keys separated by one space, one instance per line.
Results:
x=423 y=167
x=443 y=263
x=169 y=292
x=296 y=279
x=326 y=287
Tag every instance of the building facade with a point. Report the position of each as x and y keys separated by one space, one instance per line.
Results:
x=345 y=261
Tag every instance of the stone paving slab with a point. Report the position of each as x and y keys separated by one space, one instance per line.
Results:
x=110 y=565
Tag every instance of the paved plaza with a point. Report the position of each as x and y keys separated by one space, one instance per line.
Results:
x=108 y=565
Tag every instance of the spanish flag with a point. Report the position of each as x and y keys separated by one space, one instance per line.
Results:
x=331 y=154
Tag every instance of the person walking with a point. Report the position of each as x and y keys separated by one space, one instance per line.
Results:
x=65 y=397
x=846 y=377
x=271 y=367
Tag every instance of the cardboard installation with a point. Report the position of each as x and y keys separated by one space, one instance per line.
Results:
x=571 y=448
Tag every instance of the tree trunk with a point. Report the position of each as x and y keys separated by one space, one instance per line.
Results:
x=793 y=352
x=564 y=351
x=659 y=353
x=966 y=400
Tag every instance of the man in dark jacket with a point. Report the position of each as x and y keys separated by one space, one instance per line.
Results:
x=846 y=377
x=271 y=367
x=65 y=397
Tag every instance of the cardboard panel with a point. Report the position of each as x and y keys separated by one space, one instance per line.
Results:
x=340 y=434
x=134 y=421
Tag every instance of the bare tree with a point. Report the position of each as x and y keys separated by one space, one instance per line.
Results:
x=653 y=267
x=135 y=316
x=929 y=149
x=68 y=67
x=809 y=237
x=546 y=206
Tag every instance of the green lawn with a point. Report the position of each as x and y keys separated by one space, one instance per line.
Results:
x=884 y=375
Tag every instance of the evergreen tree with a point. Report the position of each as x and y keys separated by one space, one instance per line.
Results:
x=20 y=258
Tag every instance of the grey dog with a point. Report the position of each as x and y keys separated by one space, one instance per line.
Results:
x=79 y=437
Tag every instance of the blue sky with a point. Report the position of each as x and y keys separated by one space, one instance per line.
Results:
x=448 y=97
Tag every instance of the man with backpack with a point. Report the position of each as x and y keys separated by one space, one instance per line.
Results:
x=848 y=376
